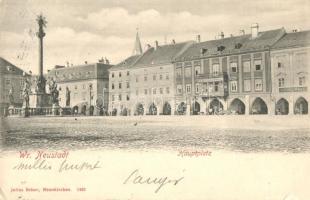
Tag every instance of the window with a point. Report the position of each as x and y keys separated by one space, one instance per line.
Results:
x=7 y=81
x=119 y=97
x=216 y=86
x=234 y=67
x=154 y=90
x=197 y=88
x=127 y=97
x=258 y=65
x=161 y=91
x=179 y=89
x=233 y=86
x=197 y=70
x=127 y=73
x=145 y=91
x=112 y=75
x=113 y=98
x=167 y=76
x=188 y=88
x=178 y=72
x=258 y=84
x=21 y=83
x=246 y=66
x=112 y=86
x=160 y=77
x=281 y=82
x=137 y=79
x=188 y=72
x=302 y=81
x=120 y=85
x=215 y=69
x=154 y=77
x=167 y=90
x=280 y=65
x=247 y=85
x=127 y=84
x=75 y=87
x=120 y=74
x=145 y=78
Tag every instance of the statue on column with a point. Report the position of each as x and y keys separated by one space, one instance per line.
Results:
x=67 y=97
x=26 y=92
x=54 y=92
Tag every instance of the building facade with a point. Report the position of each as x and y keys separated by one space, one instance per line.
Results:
x=12 y=80
x=88 y=86
x=227 y=75
x=144 y=84
x=290 y=60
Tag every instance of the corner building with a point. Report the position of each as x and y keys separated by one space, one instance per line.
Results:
x=88 y=85
x=227 y=75
x=290 y=60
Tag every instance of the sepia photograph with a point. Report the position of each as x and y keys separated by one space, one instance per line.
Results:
x=154 y=99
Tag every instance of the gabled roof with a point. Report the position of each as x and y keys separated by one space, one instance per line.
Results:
x=293 y=40
x=127 y=63
x=8 y=68
x=232 y=45
x=162 y=55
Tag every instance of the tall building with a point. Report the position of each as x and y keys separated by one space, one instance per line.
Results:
x=11 y=78
x=290 y=58
x=144 y=84
x=229 y=74
x=87 y=84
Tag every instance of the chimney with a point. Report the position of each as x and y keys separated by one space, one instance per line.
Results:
x=254 y=30
x=173 y=41
x=156 y=45
x=198 y=38
x=242 y=32
x=147 y=47
x=221 y=35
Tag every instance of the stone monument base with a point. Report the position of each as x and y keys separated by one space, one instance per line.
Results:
x=39 y=100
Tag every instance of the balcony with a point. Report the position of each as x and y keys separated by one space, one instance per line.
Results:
x=213 y=84
x=210 y=77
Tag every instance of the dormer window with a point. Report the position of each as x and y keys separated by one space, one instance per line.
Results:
x=238 y=46
x=203 y=51
x=220 y=48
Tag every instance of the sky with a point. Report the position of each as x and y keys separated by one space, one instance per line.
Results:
x=86 y=30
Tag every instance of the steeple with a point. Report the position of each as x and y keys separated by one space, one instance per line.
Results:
x=137 y=48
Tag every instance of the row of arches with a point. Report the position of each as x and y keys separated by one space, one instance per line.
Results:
x=141 y=110
x=258 y=106
x=83 y=110
x=236 y=106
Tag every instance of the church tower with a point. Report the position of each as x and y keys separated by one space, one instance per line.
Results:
x=137 y=48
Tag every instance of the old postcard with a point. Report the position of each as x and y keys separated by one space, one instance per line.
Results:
x=154 y=99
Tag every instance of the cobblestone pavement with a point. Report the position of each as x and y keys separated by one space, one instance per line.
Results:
x=232 y=134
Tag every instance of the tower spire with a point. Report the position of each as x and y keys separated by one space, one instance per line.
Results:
x=137 y=48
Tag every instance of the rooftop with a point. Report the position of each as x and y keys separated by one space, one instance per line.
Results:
x=8 y=68
x=231 y=45
x=294 y=39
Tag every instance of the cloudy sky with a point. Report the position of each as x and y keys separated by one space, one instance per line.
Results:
x=87 y=30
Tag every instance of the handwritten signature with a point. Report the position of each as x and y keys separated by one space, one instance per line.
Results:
x=136 y=178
